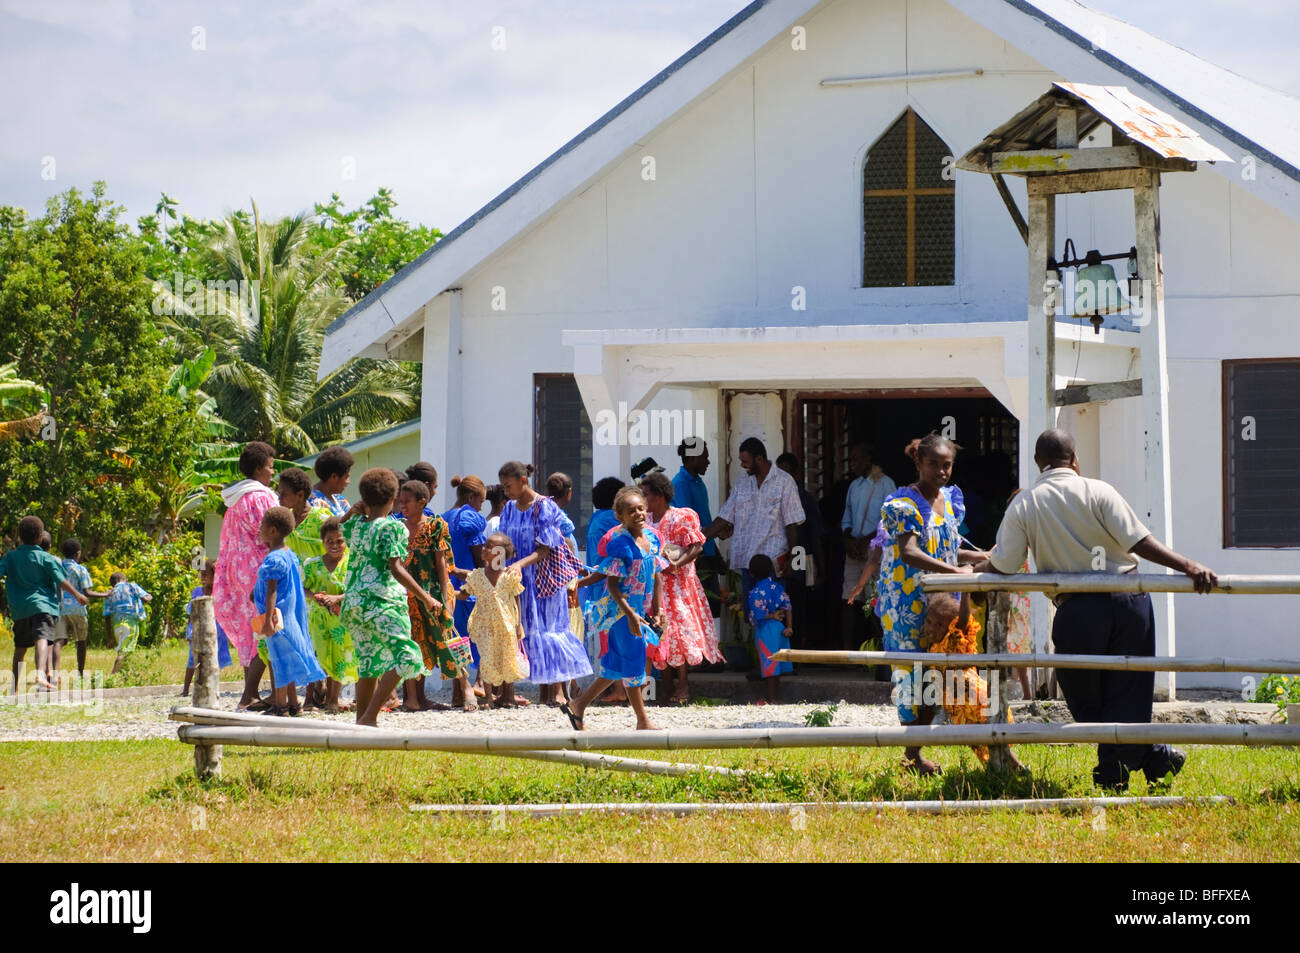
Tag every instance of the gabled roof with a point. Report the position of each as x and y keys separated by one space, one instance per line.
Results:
x=1064 y=35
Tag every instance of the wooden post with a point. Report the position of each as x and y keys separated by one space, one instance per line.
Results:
x=1155 y=402
x=207 y=681
x=996 y=622
x=1042 y=353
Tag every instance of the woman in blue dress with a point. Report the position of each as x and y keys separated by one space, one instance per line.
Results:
x=534 y=524
x=630 y=561
x=919 y=535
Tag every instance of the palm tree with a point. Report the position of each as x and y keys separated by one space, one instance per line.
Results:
x=18 y=399
x=267 y=325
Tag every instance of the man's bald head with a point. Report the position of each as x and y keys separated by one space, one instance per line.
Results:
x=1054 y=448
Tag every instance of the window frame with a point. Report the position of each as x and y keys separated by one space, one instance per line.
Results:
x=1227 y=426
x=938 y=293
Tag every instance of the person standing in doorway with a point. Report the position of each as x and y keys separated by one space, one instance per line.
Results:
x=762 y=514
x=1072 y=524
x=867 y=494
x=806 y=573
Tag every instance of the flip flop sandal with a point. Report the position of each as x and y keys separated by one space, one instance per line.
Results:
x=260 y=705
x=574 y=720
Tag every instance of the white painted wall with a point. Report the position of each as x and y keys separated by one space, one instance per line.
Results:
x=757 y=189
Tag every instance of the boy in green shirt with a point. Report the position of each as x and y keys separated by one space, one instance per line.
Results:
x=32 y=579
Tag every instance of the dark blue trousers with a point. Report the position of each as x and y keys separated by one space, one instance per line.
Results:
x=1110 y=623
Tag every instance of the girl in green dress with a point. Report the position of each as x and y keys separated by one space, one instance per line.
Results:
x=324 y=580
x=374 y=604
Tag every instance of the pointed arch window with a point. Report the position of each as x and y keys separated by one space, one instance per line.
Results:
x=908 y=208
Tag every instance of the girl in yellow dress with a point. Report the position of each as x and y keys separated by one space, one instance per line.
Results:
x=494 y=624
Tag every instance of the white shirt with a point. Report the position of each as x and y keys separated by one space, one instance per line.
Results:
x=1068 y=521
x=760 y=515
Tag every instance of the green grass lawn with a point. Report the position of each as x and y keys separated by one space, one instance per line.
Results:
x=138 y=800
x=163 y=665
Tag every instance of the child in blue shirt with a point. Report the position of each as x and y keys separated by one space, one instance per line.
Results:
x=124 y=606
x=769 y=613
x=33 y=579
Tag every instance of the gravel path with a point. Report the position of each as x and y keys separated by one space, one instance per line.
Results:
x=137 y=718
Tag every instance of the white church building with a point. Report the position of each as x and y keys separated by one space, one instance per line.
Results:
x=772 y=237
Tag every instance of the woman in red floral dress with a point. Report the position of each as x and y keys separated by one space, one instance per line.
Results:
x=689 y=637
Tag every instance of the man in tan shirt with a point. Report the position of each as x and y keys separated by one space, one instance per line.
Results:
x=1075 y=524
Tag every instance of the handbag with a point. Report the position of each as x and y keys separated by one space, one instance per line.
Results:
x=557 y=569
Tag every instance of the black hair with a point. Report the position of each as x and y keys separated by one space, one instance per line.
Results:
x=754 y=447
x=30 y=529
x=625 y=494
x=415 y=489
x=558 y=484
x=279 y=518
x=71 y=548
x=1054 y=446
x=789 y=458
x=929 y=444
x=378 y=486
x=496 y=495
x=513 y=468
x=254 y=456
x=424 y=472
x=691 y=447
x=659 y=485
x=116 y=578
x=603 y=493
x=296 y=480
x=760 y=567
x=333 y=461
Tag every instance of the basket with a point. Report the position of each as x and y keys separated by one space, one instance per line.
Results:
x=460 y=651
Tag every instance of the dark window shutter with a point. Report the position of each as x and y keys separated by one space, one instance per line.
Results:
x=1262 y=455
x=563 y=442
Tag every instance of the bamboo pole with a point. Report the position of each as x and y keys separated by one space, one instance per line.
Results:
x=207 y=680
x=608 y=762
x=1008 y=806
x=869 y=737
x=1118 y=663
x=1057 y=583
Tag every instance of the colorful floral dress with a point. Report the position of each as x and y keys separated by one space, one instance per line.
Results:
x=494 y=626
x=768 y=596
x=555 y=654
x=305 y=541
x=689 y=637
x=900 y=603
x=622 y=651
x=337 y=503
x=374 y=603
x=965 y=694
x=432 y=630
x=329 y=636
x=291 y=657
x=240 y=556
x=1020 y=636
x=124 y=607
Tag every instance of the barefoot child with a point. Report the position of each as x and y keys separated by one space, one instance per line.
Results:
x=206 y=577
x=428 y=558
x=324 y=580
x=631 y=564
x=494 y=622
x=374 y=604
x=124 y=606
x=279 y=587
x=33 y=579
x=72 y=624
x=768 y=608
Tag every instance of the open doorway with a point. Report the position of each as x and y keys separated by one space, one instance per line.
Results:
x=823 y=426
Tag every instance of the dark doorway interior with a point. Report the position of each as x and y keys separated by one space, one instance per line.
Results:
x=825 y=426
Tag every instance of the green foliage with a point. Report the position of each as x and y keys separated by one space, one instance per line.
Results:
x=75 y=318
x=373 y=246
x=1280 y=690
x=821 y=717
x=168 y=572
x=261 y=295
x=142 y=667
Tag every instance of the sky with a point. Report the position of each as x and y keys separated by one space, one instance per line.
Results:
x=446 y=102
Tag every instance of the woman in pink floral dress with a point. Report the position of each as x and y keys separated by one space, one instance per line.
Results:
x=689 y=637
x=241 y=553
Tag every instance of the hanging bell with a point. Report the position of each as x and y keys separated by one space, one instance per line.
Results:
x=1096 y=291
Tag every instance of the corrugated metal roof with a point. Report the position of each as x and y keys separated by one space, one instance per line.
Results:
x=1034 y=127
x=1145 y=124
